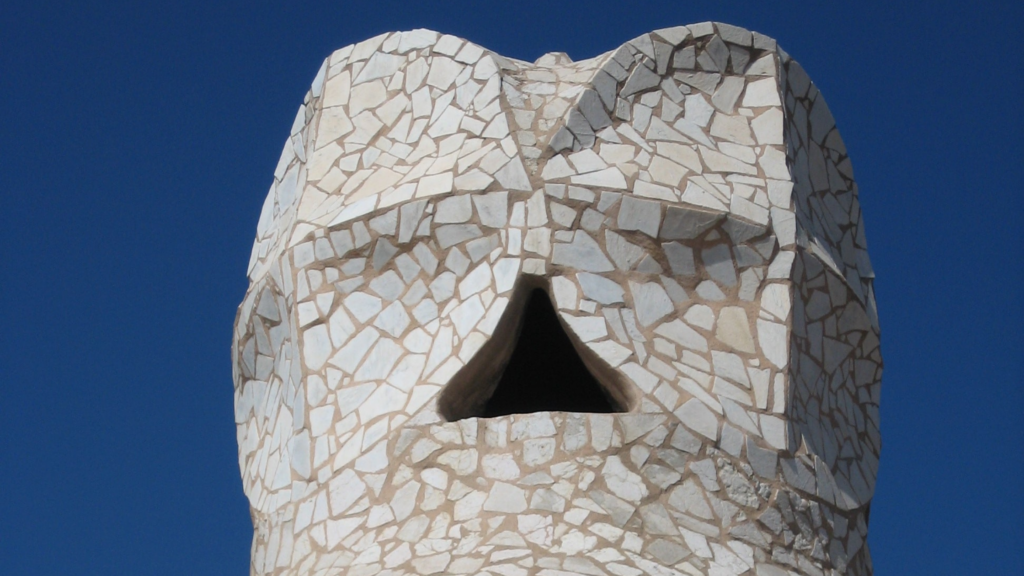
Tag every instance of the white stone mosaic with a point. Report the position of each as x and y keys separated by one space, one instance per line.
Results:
x=689 y=206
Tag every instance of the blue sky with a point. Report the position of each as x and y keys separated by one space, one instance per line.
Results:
x=138 y=144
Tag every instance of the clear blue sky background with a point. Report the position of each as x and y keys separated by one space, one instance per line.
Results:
x=137 y=142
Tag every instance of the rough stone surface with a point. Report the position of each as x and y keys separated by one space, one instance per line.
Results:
x=689 y=205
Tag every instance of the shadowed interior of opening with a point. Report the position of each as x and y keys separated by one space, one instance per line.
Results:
x=544 y=373
x=532 y=364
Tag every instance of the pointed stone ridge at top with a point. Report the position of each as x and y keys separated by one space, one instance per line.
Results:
x=553 y=59
x=417 y=114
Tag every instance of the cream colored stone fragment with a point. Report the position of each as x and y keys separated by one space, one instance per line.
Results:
x=768 y=127
x=762 y=93
x=666 y=171
x=734 y=329
x=505 y=498
x=337 y=89
x=366 y=97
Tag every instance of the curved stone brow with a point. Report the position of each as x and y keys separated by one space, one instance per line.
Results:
x=692 y=205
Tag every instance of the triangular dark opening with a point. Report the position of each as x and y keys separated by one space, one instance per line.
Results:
x=544 y=372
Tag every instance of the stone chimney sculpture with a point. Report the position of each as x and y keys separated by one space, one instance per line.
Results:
x=612 y=317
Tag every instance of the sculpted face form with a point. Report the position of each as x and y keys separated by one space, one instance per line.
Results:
x=610 y=317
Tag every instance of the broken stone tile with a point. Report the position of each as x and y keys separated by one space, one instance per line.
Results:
x=697 y=417
x=583 y=253
x=734 y=329
x=599 y=288
x=642 y=215
x=650 y=302
x=680 y=258
x=642 y=77
x=761 y=93
x=453 y=210
x=492 y=208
